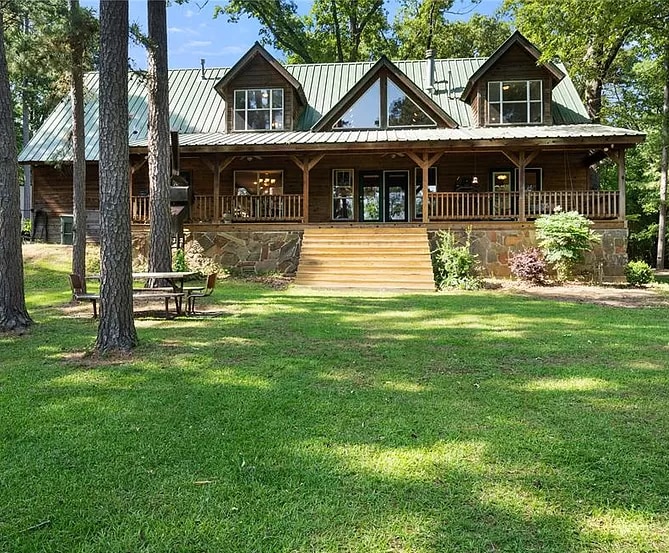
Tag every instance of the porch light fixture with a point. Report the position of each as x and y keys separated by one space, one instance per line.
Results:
x=475 y=180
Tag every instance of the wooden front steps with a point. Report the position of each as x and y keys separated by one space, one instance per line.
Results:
x=365 y=257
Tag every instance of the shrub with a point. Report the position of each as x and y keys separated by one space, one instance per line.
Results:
x=639 y=273
x=563 y=238
x=196 y=261
x=179 y=262
x=92 y=259
x=454 y=266
x=528 y=266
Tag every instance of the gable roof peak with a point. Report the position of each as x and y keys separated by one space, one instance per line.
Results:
x=395 y=74
x=258 y=50
x=516 y=39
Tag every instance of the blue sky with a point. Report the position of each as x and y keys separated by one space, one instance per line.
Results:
x=194 y=34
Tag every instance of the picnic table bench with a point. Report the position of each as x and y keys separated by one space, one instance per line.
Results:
x=174 y=292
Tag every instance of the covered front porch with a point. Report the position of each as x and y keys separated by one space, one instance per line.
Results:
x=369 y=181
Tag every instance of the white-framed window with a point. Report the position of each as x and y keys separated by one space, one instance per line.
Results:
x=259 y=109
x=342 y=194
x=515 y=102
x=258 y=183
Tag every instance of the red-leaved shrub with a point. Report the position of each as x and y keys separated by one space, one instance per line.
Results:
x=528 y=266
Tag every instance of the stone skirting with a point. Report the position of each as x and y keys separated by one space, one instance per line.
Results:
x=606 y=261
x=268 y=250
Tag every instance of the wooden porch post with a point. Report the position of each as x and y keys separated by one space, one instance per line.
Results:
x=132 y=169
x=622 y=177
x=522 y=213
x=425 y=162
x=217 y=168
x=521 y=162
x=306 y=164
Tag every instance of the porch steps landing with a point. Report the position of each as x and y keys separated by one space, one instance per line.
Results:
x=365 y=257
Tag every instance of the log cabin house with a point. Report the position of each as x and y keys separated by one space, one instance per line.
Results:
x=343 y=172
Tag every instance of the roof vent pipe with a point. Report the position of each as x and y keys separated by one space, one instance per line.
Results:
x=202 y=75
x=429 y=70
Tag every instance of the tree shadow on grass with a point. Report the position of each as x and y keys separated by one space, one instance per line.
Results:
x=352 y=424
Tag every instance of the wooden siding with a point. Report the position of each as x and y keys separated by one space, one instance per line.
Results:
x=260 y=74
x=52 y=194
x=562 y=171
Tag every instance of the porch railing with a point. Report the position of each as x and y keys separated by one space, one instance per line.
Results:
x=139 y=209
x=285 y=207
x=481 y=206
x=594 y=204
x=475 y=206
x=443 y=206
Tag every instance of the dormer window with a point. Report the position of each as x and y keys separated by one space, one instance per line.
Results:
x=259 y=109
x=515 y=102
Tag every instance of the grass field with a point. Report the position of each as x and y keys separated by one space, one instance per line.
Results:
x=292 y=421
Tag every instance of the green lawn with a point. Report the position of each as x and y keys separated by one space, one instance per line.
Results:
x=292 y=421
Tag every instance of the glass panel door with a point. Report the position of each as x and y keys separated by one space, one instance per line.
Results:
x=502 y=187
x=370 y=197
x=396 y=196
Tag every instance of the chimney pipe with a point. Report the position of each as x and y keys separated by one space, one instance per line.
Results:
x=429 y=70
x=204 y=78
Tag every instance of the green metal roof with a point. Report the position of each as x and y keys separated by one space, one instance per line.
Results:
x=197 y=109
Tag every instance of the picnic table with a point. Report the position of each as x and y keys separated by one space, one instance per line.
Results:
x=175 y=291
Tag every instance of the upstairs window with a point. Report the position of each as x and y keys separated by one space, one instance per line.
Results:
x=383 y=105
x=365 y=113
x=403 y=111
x=514 y=102
x=259 y=109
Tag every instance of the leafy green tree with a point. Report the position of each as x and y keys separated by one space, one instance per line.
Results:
x=587 y=35
x=423 y=24
x=334 y=30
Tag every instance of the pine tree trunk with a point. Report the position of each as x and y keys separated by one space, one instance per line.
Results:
x=78 y=145
x=116 y=331
x=13 y=314
x=160 y=254
x=662 y=221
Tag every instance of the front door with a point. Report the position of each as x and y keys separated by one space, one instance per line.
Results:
x=383 y=196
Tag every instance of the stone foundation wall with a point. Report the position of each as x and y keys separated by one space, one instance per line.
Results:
x=267 y=251
x=251 y=251
x=606 y=261
x=246 y=251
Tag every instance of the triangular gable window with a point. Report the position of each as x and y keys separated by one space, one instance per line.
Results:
x=403 y=111
x=365 y=113
x=384 y=104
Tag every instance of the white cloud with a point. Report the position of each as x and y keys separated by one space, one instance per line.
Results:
x=182 y=30
x=197 y=44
